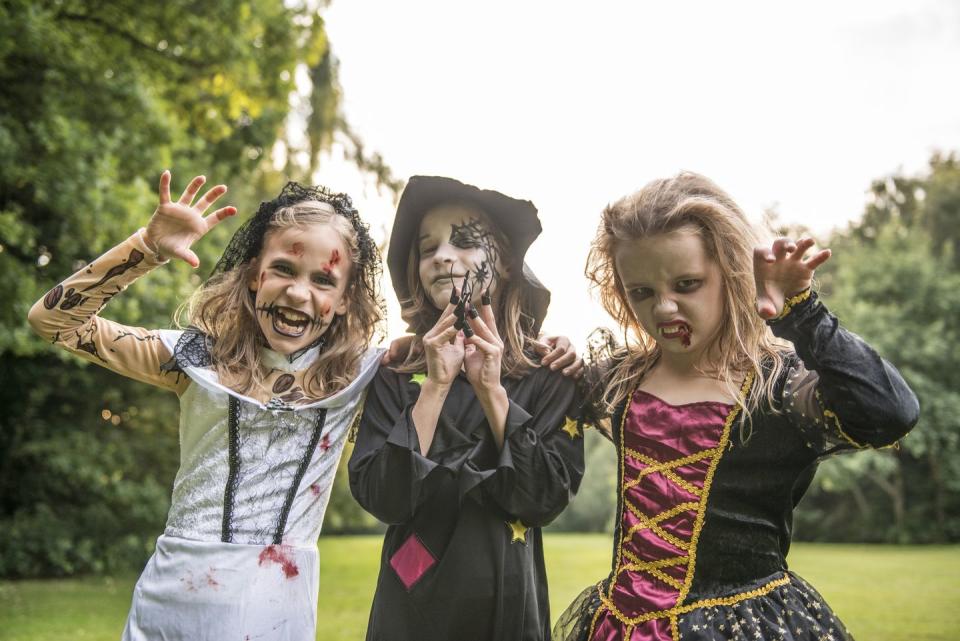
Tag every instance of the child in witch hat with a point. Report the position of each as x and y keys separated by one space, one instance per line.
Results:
x=467 y=448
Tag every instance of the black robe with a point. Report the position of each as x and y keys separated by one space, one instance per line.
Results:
x=463 y=554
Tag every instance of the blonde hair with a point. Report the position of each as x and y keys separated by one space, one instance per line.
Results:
x=514 y=326
x=224 y=309
x=744 y=343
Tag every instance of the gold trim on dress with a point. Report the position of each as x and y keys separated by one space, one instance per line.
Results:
x=792 y=302
x=651 y=522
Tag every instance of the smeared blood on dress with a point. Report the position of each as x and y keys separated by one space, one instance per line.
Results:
x=280 y=554
x=315 y=488
x=325 y=442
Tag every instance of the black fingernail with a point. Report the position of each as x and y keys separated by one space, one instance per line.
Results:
x=485 y=299
x=473 y=312
x=459 y=325
x=454 y=297
x=467 y=332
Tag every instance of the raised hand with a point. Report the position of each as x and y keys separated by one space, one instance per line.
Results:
x=176 y=225
x=782 y=271
x=443 y=345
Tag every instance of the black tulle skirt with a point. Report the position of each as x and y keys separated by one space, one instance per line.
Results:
x=790 y=610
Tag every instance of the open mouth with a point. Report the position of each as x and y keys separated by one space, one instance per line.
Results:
x=288 y=322
x=676 y=331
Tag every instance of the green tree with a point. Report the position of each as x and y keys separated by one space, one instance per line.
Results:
x=96 y=99
x=894 y=280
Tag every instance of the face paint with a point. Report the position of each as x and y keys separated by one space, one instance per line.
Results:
x=300 y=287
x=455 y=241
x=675 y=292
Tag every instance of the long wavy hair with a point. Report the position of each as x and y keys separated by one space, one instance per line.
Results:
x=744 y=343
x=514 y=326
x=224 y=309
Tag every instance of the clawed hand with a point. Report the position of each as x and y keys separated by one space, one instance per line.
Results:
x=175 y=226
x=782 y=271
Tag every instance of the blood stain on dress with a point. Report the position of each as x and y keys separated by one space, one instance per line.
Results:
x=315 y=489
x=279 y=554
x=325 y=443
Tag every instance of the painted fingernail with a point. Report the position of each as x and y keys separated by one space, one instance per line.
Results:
x=473 y=312
x=485 y=298
x=454 y=297
x=467 y=332
x=458 y=325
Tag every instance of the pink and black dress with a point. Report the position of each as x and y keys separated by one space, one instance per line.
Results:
x=704 y=520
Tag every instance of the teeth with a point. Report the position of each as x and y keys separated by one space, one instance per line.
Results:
x=673 y=331
x=290 y=322
x=293 y=317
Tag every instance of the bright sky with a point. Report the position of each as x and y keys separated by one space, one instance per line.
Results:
x=571 y=105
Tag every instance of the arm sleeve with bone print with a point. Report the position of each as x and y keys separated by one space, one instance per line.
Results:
x=68 y=317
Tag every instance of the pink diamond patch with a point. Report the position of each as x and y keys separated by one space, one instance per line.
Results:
x=411 y=561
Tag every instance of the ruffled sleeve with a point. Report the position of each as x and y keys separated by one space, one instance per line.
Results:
x=837 y=389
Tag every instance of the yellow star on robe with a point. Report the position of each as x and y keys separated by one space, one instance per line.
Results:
x=518 y=530
x=570 y=427
x=418 y=378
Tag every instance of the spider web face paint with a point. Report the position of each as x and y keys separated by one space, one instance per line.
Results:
x=475 y=234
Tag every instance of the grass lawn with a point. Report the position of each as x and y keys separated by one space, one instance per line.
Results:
x=882 y=593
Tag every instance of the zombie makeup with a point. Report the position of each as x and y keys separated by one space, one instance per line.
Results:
x=288 y=321
x=675 y=330
x=675 y=292
x=300 y=287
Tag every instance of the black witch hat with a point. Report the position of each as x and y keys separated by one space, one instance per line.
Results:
x=516 y=219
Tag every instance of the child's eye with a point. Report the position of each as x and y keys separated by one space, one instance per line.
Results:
x=427 y=251
x=283 y=269
x=688 y=284
x=639 y=293
x=322 y=279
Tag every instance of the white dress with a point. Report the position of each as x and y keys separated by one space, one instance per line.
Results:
x=238 y=558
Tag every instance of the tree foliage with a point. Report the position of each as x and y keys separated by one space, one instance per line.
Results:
x=96 y=99
x=894 y=279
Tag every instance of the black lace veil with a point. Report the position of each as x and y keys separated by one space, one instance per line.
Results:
x=247 y=242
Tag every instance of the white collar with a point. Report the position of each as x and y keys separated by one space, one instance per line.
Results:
x=206 y=377
x=282 y=362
